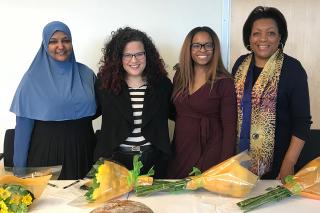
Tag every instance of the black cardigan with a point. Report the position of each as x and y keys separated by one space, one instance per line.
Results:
x=117 y=117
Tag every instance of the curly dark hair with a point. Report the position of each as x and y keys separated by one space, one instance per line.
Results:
x=111 y=72
x=261 y=12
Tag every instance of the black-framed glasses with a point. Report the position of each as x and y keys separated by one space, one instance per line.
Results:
x=207 y=46
x=138 y=56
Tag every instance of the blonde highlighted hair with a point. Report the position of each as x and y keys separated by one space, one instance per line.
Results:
x=184 y=77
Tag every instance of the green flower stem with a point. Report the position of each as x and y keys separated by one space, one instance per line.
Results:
x=276 y=194
x=160 y=185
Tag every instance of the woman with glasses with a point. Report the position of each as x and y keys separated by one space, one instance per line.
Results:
x=133 y=94
x=205 y=103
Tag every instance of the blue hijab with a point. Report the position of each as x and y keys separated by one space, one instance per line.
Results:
x=51 y=90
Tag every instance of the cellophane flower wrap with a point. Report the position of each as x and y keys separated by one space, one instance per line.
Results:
x=229 y=178
x=111 y=180
x=305 y=182
x=17 y=193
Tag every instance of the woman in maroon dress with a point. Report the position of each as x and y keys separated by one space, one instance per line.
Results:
x=205 y=102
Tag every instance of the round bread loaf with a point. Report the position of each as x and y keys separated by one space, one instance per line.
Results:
x=122 y=206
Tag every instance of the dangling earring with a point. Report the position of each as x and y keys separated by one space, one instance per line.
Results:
x=281 y=45
x=249 y=48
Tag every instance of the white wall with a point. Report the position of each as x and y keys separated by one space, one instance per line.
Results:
x=91 y=22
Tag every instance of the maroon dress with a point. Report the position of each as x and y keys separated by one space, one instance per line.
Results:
x=205 y=128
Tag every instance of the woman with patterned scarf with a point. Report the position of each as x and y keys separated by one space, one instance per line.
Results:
x=272 y=97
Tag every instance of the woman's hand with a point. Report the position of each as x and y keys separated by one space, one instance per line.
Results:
x=290 y=159
x=287 y=168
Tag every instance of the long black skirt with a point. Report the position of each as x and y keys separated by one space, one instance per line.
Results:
x=68 y=143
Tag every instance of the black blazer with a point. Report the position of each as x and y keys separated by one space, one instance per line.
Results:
x=117 y=117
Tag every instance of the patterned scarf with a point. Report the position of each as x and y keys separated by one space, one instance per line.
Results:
x=263 y=110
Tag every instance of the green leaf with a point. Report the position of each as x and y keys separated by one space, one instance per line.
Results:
x=195 y=171
x=150 y=172
x=134 y=174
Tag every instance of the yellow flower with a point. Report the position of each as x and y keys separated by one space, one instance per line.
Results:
x=103 y=173
x=3 y=207
x=4 y=194
x=27 y=199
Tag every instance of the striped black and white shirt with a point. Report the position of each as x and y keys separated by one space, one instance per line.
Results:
x=137 y=99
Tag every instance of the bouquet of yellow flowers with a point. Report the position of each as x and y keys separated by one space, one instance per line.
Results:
x=305 y=183
x=111 y=180
x=16 y=193
x=227 y=178
x=14 y=198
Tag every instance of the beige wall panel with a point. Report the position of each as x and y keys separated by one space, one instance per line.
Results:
x=303 y=19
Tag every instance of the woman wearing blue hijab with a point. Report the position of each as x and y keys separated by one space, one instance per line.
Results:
x=54 y=106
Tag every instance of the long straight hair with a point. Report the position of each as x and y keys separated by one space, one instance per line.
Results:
x=184 y=77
